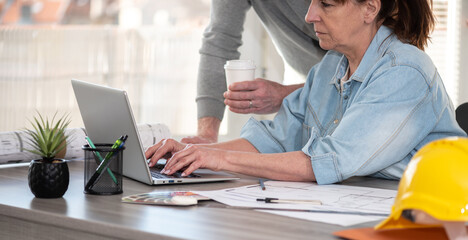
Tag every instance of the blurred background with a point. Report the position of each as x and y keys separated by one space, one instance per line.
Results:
x=150 y=48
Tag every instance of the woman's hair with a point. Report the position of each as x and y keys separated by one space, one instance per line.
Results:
x=411 y=20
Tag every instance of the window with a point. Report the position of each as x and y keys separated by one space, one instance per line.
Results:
x=444 y=47
x=150 y=48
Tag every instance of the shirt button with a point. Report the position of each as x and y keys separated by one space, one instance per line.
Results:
x=345 y=97
x=336 y=121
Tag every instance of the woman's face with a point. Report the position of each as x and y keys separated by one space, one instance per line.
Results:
x=338 y=26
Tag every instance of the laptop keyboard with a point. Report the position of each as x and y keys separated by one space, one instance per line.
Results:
x=155 y=173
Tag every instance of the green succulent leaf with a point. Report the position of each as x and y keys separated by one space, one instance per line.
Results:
x=48 y=138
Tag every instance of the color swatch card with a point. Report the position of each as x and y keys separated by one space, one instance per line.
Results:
x=165 y=198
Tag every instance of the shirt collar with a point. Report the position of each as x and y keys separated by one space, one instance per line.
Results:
x=340 y=72
x=374 y=52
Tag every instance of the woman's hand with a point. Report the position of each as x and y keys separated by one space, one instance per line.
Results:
x=193 y=157
x=188 y=157
x=163 y=149
x=258 y=96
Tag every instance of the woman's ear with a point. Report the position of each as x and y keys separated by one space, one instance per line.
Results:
x=371 y=10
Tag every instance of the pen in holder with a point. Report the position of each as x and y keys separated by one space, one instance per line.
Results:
x=103 y=169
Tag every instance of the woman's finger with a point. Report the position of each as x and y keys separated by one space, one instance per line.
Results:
x=176 y=157
x=192 y=167
x=183 y=162
x=151 y=150
x=167 y=147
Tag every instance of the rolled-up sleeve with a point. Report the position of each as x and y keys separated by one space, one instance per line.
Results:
x=325 y=165
x=383 y=124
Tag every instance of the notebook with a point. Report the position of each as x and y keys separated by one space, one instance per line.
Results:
x=107 y=114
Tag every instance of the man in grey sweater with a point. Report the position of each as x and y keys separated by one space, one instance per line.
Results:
x=293 y=37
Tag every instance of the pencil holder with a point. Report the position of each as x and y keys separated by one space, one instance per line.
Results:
x=103 y=169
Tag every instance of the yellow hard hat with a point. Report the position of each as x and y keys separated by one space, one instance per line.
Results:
x=436 y=182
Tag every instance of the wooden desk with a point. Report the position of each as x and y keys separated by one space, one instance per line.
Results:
x=81 y=216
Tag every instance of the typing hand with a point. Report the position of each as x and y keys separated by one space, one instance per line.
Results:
x=193 y=157
x=163 y=149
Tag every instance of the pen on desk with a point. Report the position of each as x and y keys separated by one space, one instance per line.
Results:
x=97 y=175
x=98 y=155
x=294 y=201
x=262 y=184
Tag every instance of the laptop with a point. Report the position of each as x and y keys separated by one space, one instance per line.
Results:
x=107 y=115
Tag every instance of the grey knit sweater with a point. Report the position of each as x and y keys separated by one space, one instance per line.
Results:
x=284 y=21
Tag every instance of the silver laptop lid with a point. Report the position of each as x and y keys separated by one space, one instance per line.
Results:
x=107 y=115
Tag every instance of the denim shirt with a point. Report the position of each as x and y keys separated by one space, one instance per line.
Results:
x=392 y=105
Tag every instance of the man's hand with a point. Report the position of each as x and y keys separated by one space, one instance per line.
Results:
x=259 y=96
x=208 y=128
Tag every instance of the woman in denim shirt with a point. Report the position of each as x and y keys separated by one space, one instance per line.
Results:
x=366 y=108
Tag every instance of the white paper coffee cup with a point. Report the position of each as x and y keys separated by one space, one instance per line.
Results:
x=239 y=70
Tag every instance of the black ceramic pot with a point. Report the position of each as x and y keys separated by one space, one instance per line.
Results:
x=48 y=179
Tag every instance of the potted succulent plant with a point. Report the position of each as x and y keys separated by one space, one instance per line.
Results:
x=48 y=177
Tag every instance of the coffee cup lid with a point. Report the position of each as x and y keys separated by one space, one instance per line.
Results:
x=239 y=64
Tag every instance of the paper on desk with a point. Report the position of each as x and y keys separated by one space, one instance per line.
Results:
x=344 y=220
x=333 y=197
